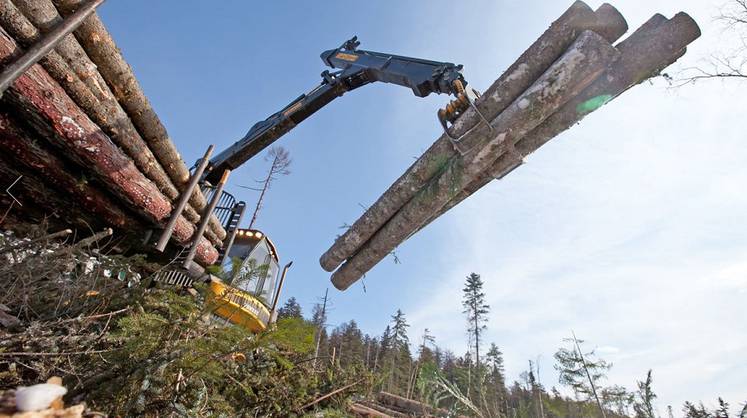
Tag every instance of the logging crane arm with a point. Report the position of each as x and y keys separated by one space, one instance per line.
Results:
x=355 y=68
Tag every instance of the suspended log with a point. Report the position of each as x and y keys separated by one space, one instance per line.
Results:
x=515 y=80
x=654 y=46
x=567 y=77
x=102 y=50
x=69 y=65
x=55 y=117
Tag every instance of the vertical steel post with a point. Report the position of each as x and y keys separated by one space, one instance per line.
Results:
x=205 y=219
x=228 y=243
x=45 y=44
x=273 y=315
x=183 y=199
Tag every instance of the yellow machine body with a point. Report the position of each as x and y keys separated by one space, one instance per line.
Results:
x=237 y=306
x=245 y=299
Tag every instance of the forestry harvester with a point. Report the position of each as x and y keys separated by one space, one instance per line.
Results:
x=244 y=297
x=79 y=140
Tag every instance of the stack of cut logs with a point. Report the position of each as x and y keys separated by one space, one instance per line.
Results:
x=387 y=405
x=570 y=71
x=79 y=129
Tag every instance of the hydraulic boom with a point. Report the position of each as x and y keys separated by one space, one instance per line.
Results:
x=355 y=68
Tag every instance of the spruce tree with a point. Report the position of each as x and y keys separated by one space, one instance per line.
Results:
x=291 y=309
x=476 y=310
x=581 y=371
x=398 y=352
x=644 y=406
x=723 y=409
x=496 y=394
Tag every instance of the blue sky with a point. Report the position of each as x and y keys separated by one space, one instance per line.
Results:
x=629 y=229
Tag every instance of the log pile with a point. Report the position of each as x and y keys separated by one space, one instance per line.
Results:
x=385 y=405
x=570 y=71
x=80 y=130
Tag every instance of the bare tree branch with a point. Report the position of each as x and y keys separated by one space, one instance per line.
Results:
x=280 y=162
x=722 y=65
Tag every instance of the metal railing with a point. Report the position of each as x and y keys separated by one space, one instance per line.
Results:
x=225 y=208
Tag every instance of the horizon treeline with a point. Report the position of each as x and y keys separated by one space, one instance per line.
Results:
x=474 y=383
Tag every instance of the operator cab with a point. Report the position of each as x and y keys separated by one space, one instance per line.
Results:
x=252 y=264
x=248 y=293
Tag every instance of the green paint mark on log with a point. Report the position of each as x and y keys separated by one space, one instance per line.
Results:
x=593 y=104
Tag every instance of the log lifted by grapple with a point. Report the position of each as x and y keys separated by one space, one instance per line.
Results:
x=570 y=71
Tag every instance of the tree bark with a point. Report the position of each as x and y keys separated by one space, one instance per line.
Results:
x=644 y=54
x=25 y=150
x=408 y=405
x=567 y=77
x=39 y=202
x=514 y=81
x=364 y=411
x=102 y=50
x=47 y=108
x=70 y=66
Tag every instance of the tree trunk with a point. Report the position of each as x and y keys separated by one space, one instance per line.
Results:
x=408 y=405
x=93 y=96
x=70 y=66
x=574 y=71
x=22 y=148
x=39 y=202
x=514 y=81
x=56 y=118
x=102 y=50
x=364 y=411
x=653 y=47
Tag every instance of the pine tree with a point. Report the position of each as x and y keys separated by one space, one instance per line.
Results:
x=383 y=348
x=580 y=371
x=476 y=310
x=496 y=382
x=291 y=309
x=644 y=406
x=693 y=411
x=399 y=330
x=399 y=359
x=723 y=409
x=618 y=398
x=279 y=167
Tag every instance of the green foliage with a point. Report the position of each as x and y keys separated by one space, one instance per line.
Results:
x=171 y=359
x=476 y=310
x=644 y=405
x=293 y=334
x=291 y=309
x=573 y=366
x=157 y=353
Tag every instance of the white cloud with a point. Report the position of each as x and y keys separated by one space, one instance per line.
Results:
x=629 y=230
